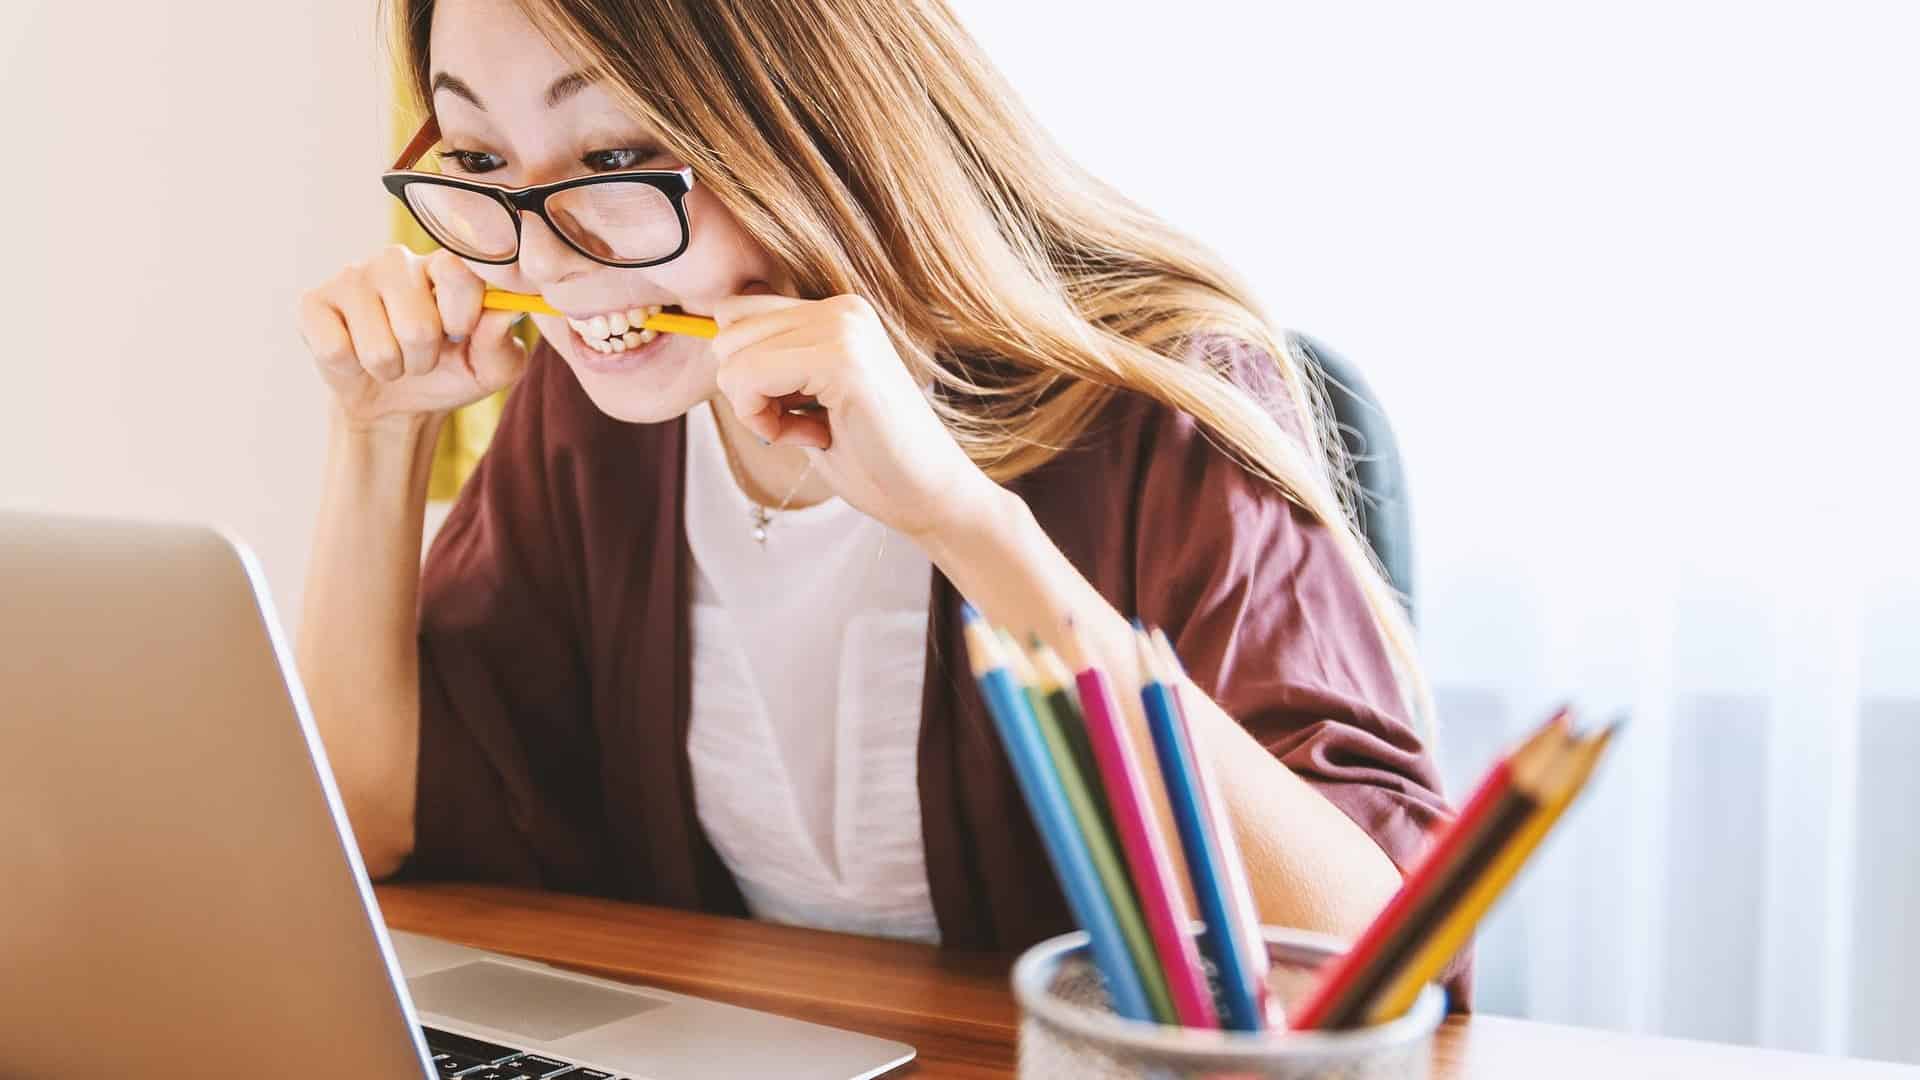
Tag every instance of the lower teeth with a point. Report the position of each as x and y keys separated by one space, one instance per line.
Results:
x=613 y=344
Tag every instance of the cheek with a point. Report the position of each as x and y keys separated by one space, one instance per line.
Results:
x=720 y=255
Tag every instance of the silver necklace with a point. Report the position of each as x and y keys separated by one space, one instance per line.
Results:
x=760 y=515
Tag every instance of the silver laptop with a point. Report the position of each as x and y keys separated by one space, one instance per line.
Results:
x=179 y=891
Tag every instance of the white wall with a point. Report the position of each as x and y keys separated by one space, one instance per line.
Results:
x=1563 y=223
x=174 y=175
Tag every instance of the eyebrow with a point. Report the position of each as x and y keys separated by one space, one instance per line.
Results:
x=563 y=88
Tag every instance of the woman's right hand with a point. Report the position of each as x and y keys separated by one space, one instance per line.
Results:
x=402 y=336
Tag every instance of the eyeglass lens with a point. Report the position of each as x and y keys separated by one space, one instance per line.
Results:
x=627 y=222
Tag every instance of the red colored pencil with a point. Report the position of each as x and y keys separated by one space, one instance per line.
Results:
x=1346 y=976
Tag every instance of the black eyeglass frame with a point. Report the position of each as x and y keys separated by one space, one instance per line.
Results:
x=673 y=183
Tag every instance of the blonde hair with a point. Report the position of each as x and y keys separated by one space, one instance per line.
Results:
x=871 y=148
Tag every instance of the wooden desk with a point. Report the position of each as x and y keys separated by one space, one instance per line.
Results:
x=957 y=1009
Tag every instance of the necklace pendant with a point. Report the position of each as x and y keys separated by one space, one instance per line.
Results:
x=760 y=519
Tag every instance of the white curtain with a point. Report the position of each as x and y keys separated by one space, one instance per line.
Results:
x=1638 y=285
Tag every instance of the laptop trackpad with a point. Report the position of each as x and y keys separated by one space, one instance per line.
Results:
x=513 y=999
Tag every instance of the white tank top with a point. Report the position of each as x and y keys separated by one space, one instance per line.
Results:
x=808 y=660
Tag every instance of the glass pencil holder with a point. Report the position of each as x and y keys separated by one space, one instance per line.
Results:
x=1068 y=1030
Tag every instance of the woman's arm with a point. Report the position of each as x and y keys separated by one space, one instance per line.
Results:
x=400 y=340
x=1309 y=864
x=358 y=650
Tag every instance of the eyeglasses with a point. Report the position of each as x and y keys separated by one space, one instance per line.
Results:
x=623 y=219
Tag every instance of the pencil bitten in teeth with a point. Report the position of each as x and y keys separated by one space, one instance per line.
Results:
x=617 y=331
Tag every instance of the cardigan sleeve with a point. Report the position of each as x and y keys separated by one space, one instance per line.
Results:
x=502 y=681
x=1270 y=620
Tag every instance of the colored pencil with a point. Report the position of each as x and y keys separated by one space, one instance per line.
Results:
x=1053 y=818
x=1239 y=1002
x=1064 y=696
x=1155 y=879
x=1094 y=830
x=1348 y=980
x=1556 y=791
x=1247 y=936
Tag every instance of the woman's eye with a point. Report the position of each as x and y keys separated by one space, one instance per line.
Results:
x=610 y=160
x=470 y=161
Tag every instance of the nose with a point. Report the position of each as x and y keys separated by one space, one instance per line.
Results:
x=544 y=257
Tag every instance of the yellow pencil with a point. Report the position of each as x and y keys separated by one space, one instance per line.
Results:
x=666 y=322
x=1454 y=930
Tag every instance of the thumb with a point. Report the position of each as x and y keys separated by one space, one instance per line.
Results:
x=495 y=353
x=746 y=304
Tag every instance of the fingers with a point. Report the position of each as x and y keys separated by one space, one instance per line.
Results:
x=496 y=354
x=732 y=309
x=374 y=345
x=457 y=292
x=809 y=429
x=407 y=295
x=753 y=384
x=746 y=321
x=325 y=333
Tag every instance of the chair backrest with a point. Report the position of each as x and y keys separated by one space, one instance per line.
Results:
x=1385 y=518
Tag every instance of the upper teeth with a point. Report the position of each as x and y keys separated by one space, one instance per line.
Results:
x=617 y=331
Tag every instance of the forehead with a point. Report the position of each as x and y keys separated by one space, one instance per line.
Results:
x=492 y=47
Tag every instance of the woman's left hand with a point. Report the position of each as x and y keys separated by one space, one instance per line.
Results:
x=876 y=440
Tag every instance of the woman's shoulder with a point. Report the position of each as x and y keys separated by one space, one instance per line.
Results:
x=1148 y=489
x=1138 y=438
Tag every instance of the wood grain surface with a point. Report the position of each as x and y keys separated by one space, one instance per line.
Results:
x=956 y=1008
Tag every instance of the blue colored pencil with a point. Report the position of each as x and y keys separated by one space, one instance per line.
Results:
x=1248 y=935
x=1047 y=802
x=1206 y=862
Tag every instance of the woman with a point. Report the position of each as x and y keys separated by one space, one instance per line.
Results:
x=683 y=642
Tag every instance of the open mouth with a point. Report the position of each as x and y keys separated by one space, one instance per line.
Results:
x=619 y=331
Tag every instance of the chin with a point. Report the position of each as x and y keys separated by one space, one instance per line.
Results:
x=650 y=385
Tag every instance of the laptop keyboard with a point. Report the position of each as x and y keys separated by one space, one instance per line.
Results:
x=476 y=1059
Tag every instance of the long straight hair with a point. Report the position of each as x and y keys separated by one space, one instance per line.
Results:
x=871 y=148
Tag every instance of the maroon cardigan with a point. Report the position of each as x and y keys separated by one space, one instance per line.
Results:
x=555 y=660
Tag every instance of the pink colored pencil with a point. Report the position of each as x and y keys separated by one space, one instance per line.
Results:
x=1154 y=878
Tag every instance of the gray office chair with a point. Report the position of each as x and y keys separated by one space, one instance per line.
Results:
x=1373 y=461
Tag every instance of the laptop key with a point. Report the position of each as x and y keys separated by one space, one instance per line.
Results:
x=449 y=1064
x=584 y=1073
x=446 y=1042
x=495 y=1072
x=537 y=1066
